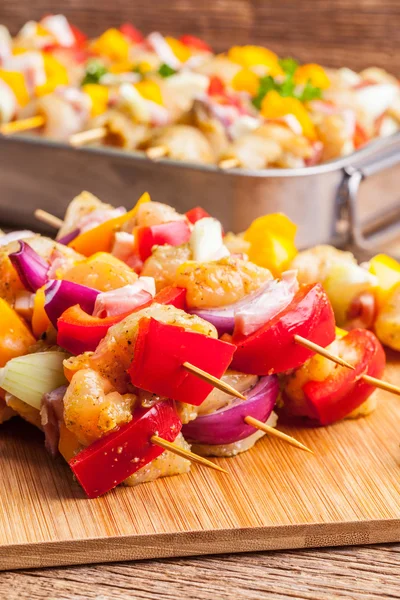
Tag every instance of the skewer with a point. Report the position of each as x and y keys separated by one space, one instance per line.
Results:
x=157 y=152
x=22 y=125
x=276 y=433
x=221 y=385
x=48 y=218
x=322 y=351
x=379 y=383
x=185 y=453
x=229 y=163
x=86 y=137
x=228 y=389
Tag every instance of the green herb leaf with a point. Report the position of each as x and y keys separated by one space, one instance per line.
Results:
x=310 y=92
x=289 y=65
x=166 y=71
x=94 y=71
x=267 y=84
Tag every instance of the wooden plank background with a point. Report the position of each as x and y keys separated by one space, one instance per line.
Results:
x=355 y=33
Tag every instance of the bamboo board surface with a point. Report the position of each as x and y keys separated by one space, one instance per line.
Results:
x=275 y=497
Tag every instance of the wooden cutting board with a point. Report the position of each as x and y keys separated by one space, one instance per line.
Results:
x=275 y=497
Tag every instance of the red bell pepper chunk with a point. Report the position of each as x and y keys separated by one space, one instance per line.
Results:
x=195 y=214
x=111 y=459
x=272 y=349
x=130 y=32
x=79 y=332
x=194 y=42
x=360 y=137
x=216 y=87
x=161 y=350
x=172 y=295
x=341 y=393
x=80 y=37
x=174 y=233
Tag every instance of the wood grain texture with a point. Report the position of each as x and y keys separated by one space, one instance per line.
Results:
x=275 y=497
x=364 y=573
x=356 y=33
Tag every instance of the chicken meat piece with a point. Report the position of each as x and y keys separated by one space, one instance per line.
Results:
x=219 y=283
x=122 y=131
x=166 y=465
x=182 y=142
x=164 y=262
x=114 y=354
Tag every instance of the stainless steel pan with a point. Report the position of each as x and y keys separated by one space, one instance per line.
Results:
x=353 y=200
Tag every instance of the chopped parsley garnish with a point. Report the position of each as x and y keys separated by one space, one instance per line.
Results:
x=94 y=71
x=285 y=85
x=166 y=71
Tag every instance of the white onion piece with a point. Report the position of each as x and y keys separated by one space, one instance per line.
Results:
x=376 y=99
x=206 y=240
x=60 y=29
x=163 y=50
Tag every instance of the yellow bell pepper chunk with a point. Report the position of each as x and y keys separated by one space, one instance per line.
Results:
x=40 y=320
x=100 y=238
x=56 y=75
x=246 y=81
x=42 y=31
x=387 y=270
x=98 y=95
x=150 y=90
x=313 y=73
x=275 y=106
x=272 y=242
x=124 y=66
x=15 y=337
x=68 y=444
x=16 y=81
x=113 y=44
x=181 y=51
x=252 y=56
x=340 y=333
x=19 y=50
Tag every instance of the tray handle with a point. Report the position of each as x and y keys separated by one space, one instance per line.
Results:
x=382 y=227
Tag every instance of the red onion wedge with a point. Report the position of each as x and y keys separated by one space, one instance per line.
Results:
x=61 y=294
x=254 y=310
x=30 y=266
x=227 y=425
x=68 y=237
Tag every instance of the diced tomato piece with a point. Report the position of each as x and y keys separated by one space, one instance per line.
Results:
x=194 y=42
x=195 y=214
x=80 y=37
x=130 y=32
x=216 y=87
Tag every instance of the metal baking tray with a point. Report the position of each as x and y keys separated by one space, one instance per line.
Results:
x=353 y=200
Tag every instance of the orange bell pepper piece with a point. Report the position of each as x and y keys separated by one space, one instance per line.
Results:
x=68 y=444
x=40 y=320
x=15 y=336
x=100 y=238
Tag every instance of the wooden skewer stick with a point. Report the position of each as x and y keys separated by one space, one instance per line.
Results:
x=276 y=433
x=229 y=163
x=218 y=383
x=383 y=385
x=86 y=137
x=185 y=453
x=48 y=218
x=157 y=152
x=379 y=383
x=322 y=351
x=228 y=389
x=22 y=125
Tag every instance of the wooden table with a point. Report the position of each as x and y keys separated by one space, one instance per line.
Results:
x=368 y=572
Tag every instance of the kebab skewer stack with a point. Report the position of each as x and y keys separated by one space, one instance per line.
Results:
x=137 y=334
